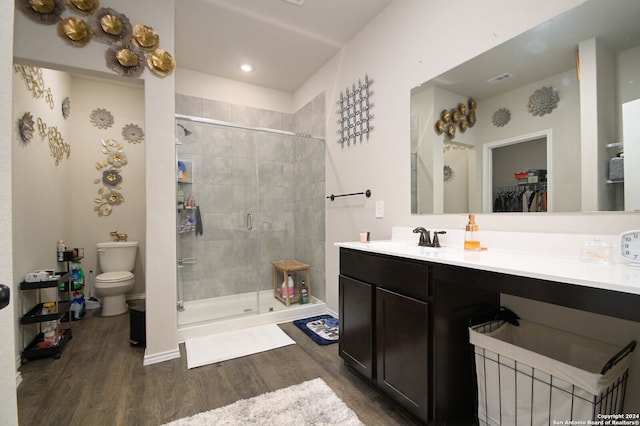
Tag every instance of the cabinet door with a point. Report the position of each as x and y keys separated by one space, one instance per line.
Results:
x=356 y=329
x=402 y=350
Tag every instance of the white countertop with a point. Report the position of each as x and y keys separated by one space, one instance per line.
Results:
x=619 y=277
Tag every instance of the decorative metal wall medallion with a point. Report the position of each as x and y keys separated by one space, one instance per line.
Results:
x=132 y=133
x=448 y=173
x=161 y=63
x=26 y=127
x=145 y=37
x=501 y=117
x=75 y=31
x=110 y=26
x=84 y=7
x=125 y=59
x=543 y=101
x=66 y=108
x=43 y=12
x=355 y=112
x=109 y=194
x=101 y=118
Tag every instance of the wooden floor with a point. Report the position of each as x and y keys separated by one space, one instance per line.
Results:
x=100 y=380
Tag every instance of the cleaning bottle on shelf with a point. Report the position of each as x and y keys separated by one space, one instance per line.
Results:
x=472 y=234
x=60 y=248
x=304 y=294
x=287 y=287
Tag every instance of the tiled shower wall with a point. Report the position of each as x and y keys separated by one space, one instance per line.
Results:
x=291 y=196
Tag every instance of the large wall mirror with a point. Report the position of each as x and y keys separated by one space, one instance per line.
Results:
x=552 y=109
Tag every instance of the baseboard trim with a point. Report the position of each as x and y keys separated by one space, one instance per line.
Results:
x=160 y=357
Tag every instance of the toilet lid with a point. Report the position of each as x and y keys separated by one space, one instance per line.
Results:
x=114 y=276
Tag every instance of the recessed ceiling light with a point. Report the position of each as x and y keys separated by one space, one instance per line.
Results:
x=246 y=67
x=296 y=2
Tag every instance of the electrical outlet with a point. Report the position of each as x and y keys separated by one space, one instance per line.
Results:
x=379 y=209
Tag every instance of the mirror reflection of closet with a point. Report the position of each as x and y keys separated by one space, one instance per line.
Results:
x=518 y=155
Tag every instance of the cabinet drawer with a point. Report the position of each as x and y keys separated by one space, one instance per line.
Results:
x=404 y=276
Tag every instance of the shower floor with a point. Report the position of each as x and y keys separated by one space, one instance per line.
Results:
x=201 y=317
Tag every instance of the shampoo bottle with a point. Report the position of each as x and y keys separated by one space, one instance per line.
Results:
x=304 y=294
x=472 y=234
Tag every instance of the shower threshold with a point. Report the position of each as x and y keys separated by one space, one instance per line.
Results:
x=210 y=316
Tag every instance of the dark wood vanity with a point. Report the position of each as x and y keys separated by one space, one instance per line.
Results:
x=404 y=326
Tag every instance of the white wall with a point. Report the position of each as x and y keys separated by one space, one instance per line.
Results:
x=8 y=402
x=193 y=83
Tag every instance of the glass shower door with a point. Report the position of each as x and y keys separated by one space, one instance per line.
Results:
x=218 y=241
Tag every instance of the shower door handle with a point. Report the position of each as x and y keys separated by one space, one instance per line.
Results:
x=249 y=221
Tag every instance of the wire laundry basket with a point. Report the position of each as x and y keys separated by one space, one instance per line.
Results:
x=527 y=373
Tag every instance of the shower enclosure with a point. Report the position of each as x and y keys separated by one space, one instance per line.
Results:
x=246 y=197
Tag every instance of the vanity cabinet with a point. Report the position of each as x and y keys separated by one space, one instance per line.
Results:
x=403 y=327
x=384 y=326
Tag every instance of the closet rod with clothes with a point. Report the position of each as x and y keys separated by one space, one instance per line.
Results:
x=529 y=197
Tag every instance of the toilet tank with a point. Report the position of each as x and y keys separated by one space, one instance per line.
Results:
x=117 y=256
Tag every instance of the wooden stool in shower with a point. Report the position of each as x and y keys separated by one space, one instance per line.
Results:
x=290 y=267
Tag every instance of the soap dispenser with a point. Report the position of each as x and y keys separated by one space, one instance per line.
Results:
x=472 y=234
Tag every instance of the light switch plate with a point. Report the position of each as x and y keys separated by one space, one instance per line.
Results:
x=379 y=209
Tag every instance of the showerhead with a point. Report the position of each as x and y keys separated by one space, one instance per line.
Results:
x=186 y=130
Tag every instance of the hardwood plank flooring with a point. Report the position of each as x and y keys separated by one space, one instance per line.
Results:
x=100 y=380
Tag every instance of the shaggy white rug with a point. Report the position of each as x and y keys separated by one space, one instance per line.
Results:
x=234 y=344
x=309 y=403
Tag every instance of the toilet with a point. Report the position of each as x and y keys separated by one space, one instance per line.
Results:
x=117 y=260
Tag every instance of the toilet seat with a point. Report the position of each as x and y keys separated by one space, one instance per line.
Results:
x=114 y=277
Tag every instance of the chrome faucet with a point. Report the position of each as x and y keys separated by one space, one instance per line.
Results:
x=425 y=237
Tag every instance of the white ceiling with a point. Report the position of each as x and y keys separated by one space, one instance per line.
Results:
x=545 y=50
x=284 y=42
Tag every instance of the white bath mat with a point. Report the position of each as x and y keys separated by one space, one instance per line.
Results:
x=234 y=344
x=309 y=403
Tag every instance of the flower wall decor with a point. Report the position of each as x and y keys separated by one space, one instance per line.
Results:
x=132 y=133
x=543 y=101
x=501 y=117
x=101 y=118
x=42 y=12
x=109 y=194
x=108 y=26
x=125 y=59
x=355 y=112
x=26 y=127
x=66 y=108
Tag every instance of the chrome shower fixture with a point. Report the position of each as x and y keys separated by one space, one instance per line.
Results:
x=186 y=130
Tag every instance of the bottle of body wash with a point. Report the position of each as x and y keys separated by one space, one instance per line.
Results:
x=472 y=234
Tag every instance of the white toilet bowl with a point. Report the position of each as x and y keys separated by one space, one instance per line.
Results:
x=111 y=288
